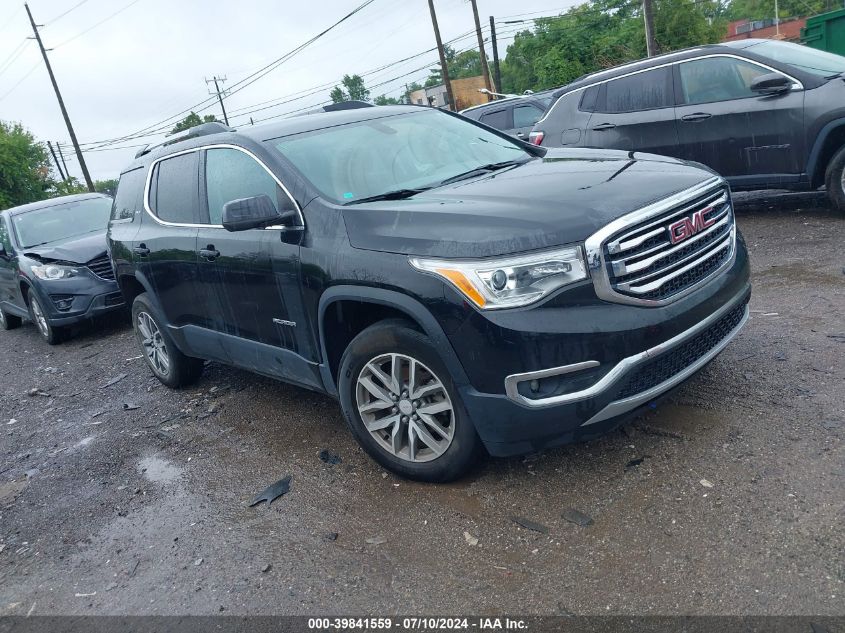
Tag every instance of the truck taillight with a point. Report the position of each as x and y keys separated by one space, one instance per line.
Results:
x=536 y=138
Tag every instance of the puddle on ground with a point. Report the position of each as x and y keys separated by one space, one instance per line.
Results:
x=159 y=470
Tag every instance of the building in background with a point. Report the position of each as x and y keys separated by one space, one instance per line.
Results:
x=788 y=30
x=465 y=91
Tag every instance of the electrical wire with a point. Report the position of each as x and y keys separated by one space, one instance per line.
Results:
x=7 y=63
x=61 y=15
x=95 y=25
x=20 y=81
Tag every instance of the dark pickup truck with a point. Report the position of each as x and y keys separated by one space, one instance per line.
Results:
x=454 y=288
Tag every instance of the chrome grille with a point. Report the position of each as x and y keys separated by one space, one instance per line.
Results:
x=101 y=266
x=642 y=263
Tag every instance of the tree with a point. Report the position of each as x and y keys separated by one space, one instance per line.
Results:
x=108 y=187
x=24 y=166
x=67 y=187
x=383 y=100
x=760 y=9
x=354 y=90
x=193 y=119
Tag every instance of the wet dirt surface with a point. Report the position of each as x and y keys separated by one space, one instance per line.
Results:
x=728 y=499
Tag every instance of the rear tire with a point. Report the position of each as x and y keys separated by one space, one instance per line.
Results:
x=411 y=421
x=168 y=364
x=835 y=180
x=9 y=321
x=51 y=334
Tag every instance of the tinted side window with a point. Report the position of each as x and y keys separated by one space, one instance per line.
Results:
x=643 y=91
x=4 y=237
x=718 y=79
x=498 y=119
x=526 y=115
x=129 y=196
x=175 y=194
x=231 y=174
x=588 y=99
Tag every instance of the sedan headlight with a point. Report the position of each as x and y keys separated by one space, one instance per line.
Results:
x=54 y=271
x=509 y=282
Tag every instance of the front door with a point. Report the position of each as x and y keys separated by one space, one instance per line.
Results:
x=250 y=279
x=9 y=289
x=741 y=134
x=634 y=113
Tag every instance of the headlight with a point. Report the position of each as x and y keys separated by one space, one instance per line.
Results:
x=509 y=282
x=54 y=271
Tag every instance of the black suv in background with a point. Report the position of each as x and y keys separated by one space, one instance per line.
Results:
x=453 y=287
x=762 y=113
x=512 y=115
x=54 y=268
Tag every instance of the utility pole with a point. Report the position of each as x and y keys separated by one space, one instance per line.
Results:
x=443 y=69
x=62 y=156
x=485 y=70
x=648 y=16
x=58 y=167
x=495 y=53
x=219 y=94
x=70 y=131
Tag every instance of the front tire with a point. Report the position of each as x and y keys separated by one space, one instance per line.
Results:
x=835 y=180
x=168 y=364
x=51 y=334
x=399 y=401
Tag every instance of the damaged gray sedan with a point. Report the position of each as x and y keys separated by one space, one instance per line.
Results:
x=54 y=268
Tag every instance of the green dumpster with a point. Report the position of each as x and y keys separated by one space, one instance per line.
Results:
x=826 y=32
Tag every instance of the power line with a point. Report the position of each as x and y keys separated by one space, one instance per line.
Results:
x=21 y=80
x=7 y=63
x=11 y=19
x=94 y=26
x=61 y=15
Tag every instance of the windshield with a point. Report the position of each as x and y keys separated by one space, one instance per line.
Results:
x=400 y=152
x=804 y=58
x=62 y=221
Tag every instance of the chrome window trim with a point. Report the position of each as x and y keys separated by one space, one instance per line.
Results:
x=157 y=219
x=796 y=84
x=597 y=264
x=623 y=367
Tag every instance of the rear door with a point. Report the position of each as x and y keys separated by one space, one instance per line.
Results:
x=499 y=118
x=525 y=115
x=729 y=128
x=165 y=247
x=9 y=289
x=635 y=112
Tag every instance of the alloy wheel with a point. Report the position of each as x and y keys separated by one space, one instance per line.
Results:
x=40 y=319
x=2 y=318
x=405 y=407
x=153 y=344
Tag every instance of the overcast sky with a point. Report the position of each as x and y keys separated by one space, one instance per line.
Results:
x=150 y=60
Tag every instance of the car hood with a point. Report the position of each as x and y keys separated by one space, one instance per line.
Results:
x=561 y=198
x=78 y=250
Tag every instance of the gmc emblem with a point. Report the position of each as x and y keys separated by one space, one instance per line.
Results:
x=687 y=227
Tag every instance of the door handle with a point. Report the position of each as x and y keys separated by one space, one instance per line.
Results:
x=209 y=253
x=141 y=250
x=604 y=126
x=696 y=116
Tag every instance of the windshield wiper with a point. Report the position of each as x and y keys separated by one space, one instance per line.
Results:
x=398 y=194
x=481 y=170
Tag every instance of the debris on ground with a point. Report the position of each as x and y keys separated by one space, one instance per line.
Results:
x=114 y=380
x=635 y=462
x=128 y=406
x=470 y=539
x=576 y=517
x=376 y=540
x=331 y=536
x=271 y=493
x=329 y=457
x=839 y=338
x=35 y=391
x=198 y=562
x=86 y=595
x=530 y=525
x=266 y=568
x=706 y=483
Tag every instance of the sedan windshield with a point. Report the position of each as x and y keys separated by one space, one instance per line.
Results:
x=399 y=154
x=804 y=58
x=61 y=222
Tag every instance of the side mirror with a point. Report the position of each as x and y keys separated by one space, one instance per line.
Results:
x=254 y=213
x=771 y=84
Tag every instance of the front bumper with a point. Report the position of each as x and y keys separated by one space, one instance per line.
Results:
x=639 y=354
x=70 y=301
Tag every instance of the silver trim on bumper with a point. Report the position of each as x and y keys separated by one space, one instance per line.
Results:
x=622 y=368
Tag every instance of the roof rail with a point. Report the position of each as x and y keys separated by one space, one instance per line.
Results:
x=204 y=129
x=335 y=107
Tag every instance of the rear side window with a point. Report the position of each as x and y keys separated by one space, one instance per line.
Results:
x=130 y=195
x=718 y=79
x=174 y=191
x=498 y=119
x=643 y=91
x=5 y=242
x=230 y=175
x=588 y=99
x=526 y=115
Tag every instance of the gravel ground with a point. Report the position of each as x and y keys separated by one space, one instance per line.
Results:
x=129 y=498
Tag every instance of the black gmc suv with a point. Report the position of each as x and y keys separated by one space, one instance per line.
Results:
x=762 y=113
x=455 y=288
